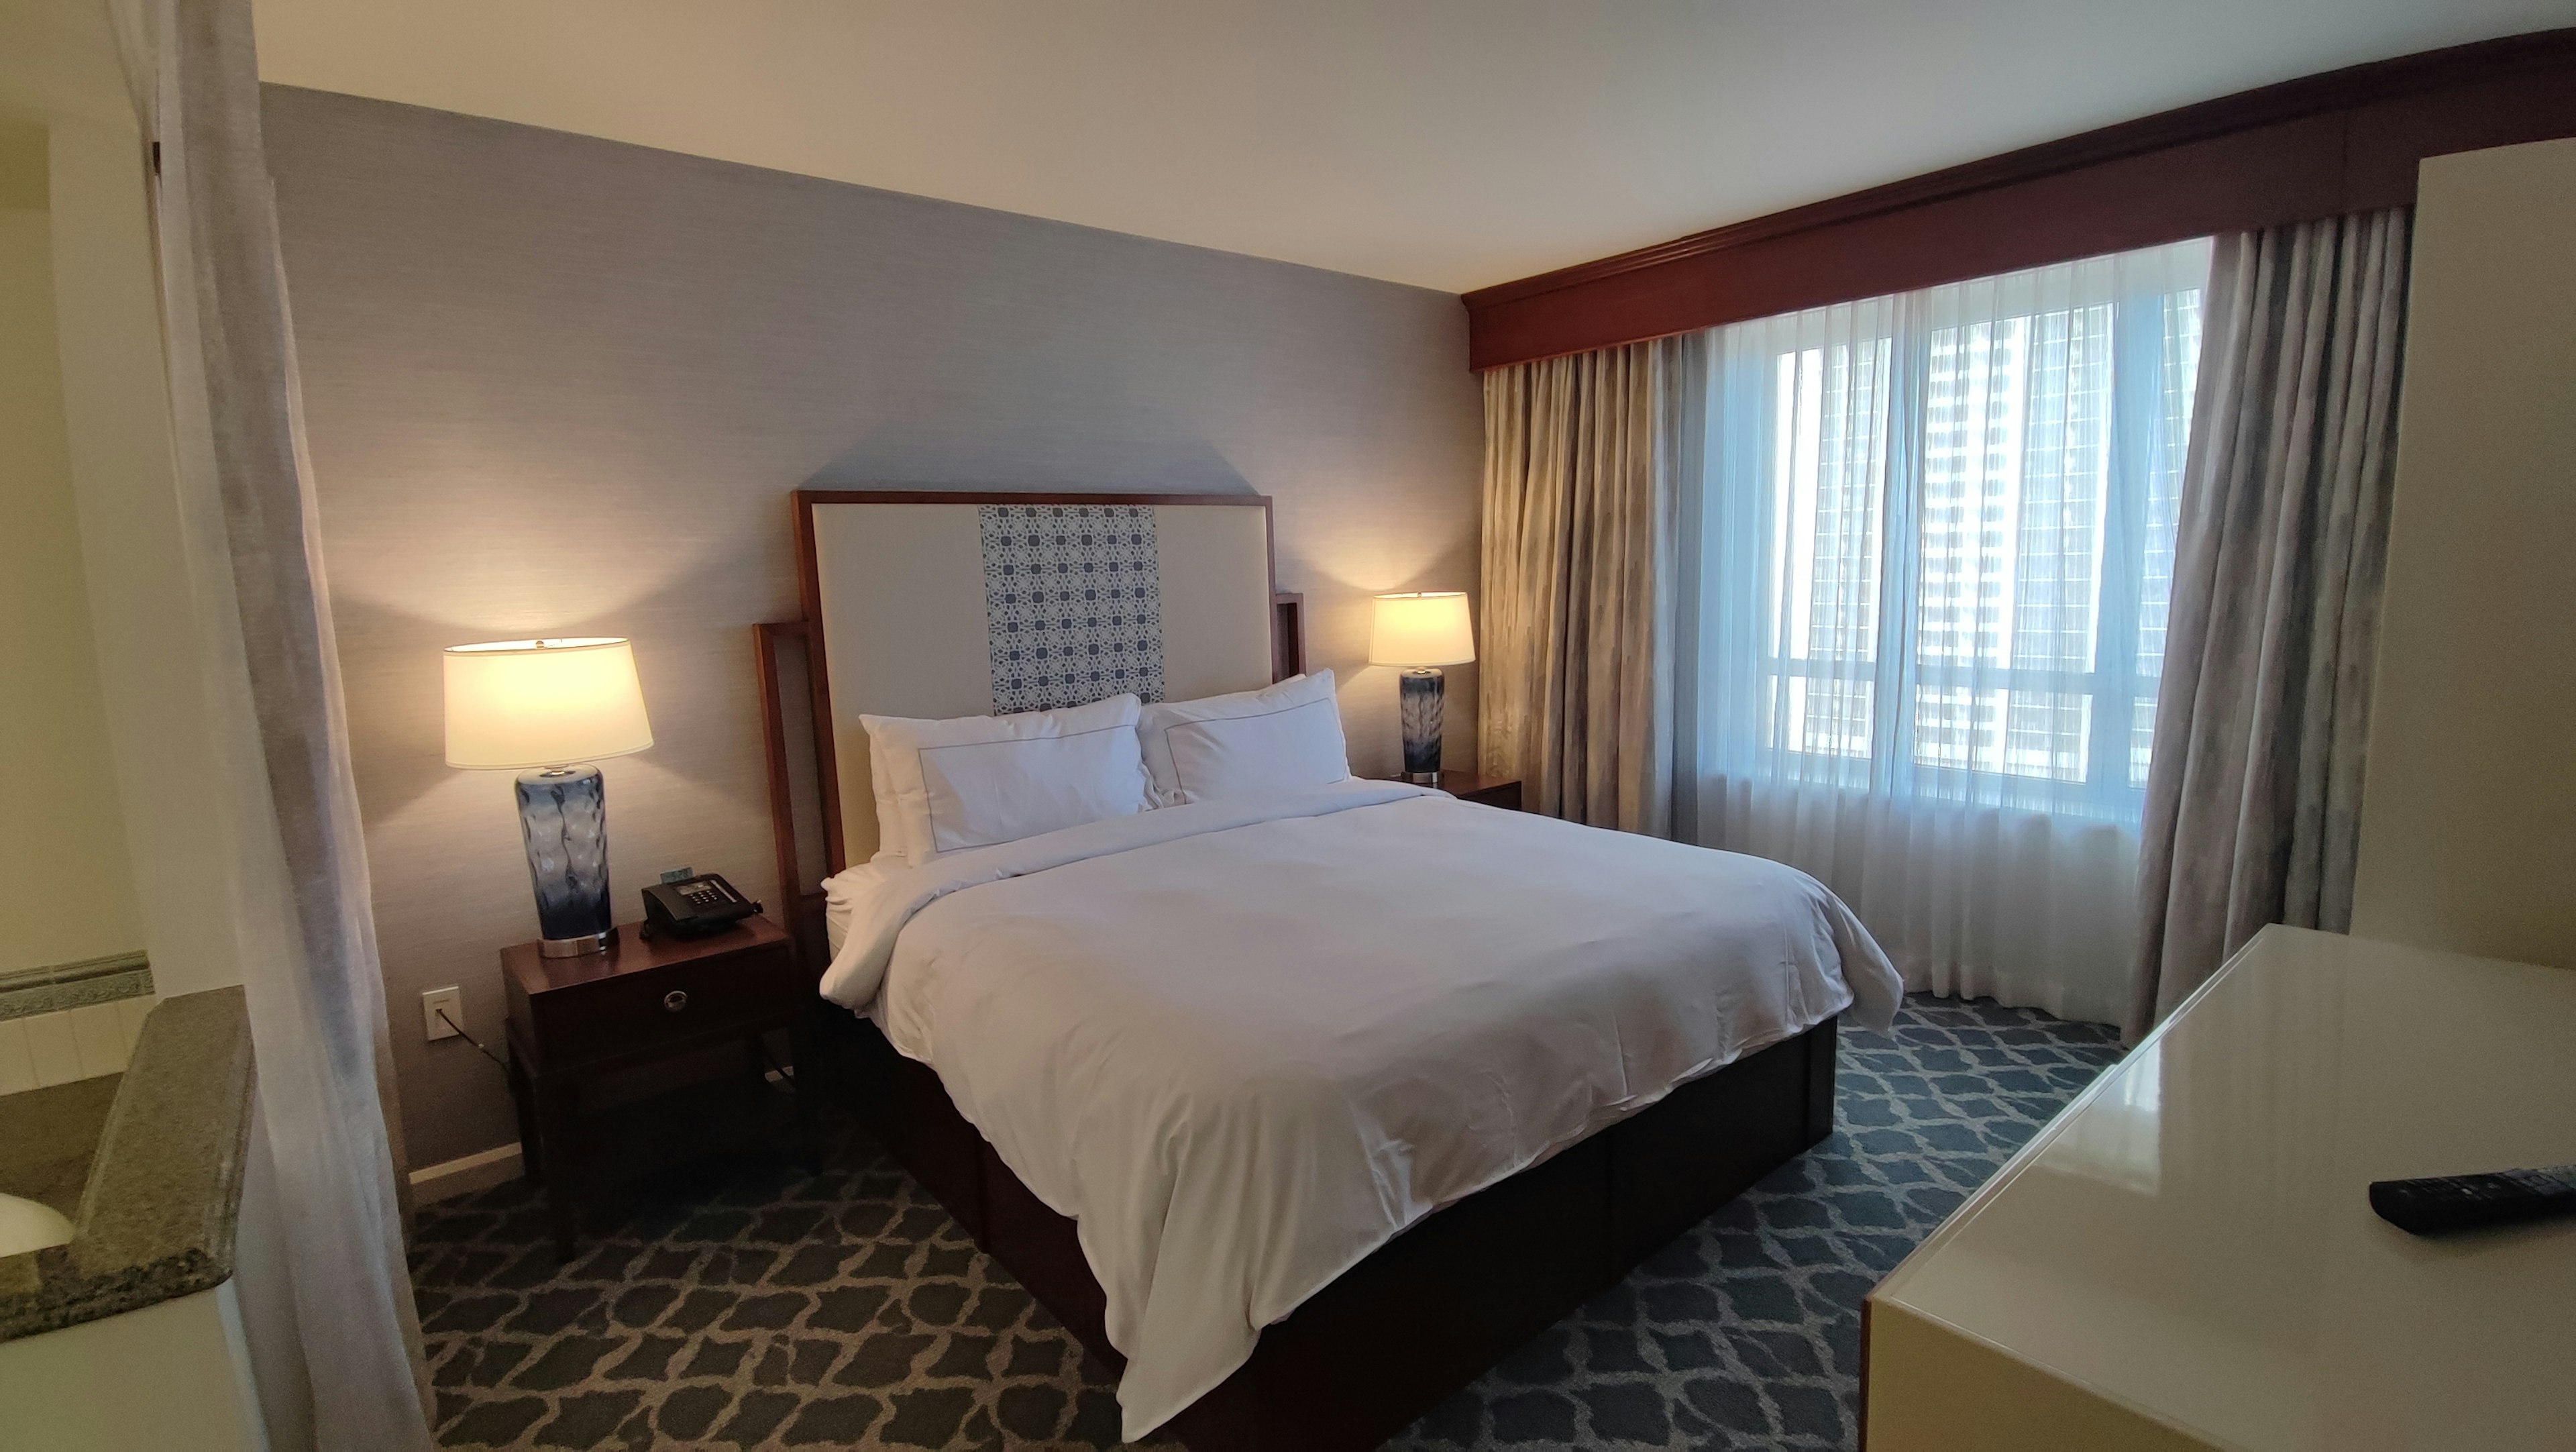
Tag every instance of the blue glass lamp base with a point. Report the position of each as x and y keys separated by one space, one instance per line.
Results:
x=563 y=815
x=1418 y=704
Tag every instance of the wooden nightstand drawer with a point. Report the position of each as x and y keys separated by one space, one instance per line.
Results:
x=640 y=1015
x=576 y=1021
x=645 y=997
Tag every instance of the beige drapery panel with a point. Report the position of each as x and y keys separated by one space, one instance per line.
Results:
x=1582 y=461
x=2253 y=811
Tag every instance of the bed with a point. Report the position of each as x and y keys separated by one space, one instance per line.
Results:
x=1299 y=1108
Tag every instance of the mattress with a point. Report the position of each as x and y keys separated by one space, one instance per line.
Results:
x=1244 y=1043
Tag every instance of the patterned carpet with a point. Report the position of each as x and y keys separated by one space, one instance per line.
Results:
x=750 y=1305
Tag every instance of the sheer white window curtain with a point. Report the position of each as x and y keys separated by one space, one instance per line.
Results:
x=1934 y=539
x=316 y=996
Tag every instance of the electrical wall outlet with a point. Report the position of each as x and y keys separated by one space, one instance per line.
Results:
x=450 y=999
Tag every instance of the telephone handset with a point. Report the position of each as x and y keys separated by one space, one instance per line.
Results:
x=694 y=907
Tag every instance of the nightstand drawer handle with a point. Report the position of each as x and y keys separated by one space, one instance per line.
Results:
x=674 y=1001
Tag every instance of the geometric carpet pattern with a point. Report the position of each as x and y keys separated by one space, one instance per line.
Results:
x=747 y=1304
x=1745 y=1331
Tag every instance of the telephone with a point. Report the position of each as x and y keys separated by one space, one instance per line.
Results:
x=694 y=907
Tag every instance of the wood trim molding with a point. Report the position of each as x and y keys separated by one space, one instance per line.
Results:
x=466 y=1174
x=767 y=637
x=2343 y=141
x=1287 y=633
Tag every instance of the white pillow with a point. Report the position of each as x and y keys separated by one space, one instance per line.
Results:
x=977 y=780
x=894 y=834
x=1287 y=735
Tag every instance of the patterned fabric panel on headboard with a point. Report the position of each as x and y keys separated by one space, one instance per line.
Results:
x=1073 y=603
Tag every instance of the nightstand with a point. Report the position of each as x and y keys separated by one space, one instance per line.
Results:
x=1491 y=791
x=573 y=1021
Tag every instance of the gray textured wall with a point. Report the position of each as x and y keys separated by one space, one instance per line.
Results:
x=557 y=385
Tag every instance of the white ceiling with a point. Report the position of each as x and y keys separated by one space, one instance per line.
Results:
x=1450 y=143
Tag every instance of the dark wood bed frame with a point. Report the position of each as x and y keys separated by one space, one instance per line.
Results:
x=1421 y=1316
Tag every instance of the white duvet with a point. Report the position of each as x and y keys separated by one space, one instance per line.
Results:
x=1245 y=1043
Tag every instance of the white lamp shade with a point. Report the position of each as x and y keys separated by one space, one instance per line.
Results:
x=1424 y=628
x=513 y=704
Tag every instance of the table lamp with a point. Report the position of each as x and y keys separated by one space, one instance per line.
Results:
x=1424 y=630
x=542 y=708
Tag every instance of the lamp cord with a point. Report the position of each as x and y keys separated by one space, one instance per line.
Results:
x=459 y=1030
x=761 y=1046
x=772 y=1064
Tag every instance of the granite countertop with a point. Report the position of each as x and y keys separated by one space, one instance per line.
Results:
x=157 y=1213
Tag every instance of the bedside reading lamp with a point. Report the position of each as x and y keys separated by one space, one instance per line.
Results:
x=1424 y=630
x=542 y=707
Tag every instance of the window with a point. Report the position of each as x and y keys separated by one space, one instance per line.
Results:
x=1938 y=535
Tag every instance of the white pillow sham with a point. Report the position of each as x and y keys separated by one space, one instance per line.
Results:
x=1287 y=735
x=974 y=781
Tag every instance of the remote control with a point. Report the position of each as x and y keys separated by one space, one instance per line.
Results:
x=2441 y=1204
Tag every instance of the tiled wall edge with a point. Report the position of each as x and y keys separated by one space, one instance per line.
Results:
x=59 y=987
x=45 y=1049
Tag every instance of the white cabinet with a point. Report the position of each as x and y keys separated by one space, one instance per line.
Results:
x=2186 y=1256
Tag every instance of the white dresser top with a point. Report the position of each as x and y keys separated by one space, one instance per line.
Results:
x=2191 y=1238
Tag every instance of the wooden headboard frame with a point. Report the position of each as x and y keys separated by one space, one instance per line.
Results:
x=781 y=648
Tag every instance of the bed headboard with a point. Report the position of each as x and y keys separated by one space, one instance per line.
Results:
x=938 y=603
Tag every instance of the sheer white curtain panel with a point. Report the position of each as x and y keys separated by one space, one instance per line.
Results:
x=314 y=987
x=1934 y=543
